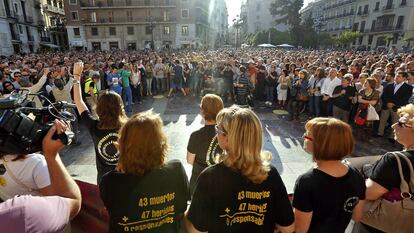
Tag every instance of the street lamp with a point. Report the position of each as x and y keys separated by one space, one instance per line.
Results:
x=151 y=25
x=237 y=24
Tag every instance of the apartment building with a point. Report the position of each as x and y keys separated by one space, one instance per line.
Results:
x=338 y=16
x=314 y=11
x=384 y=23
x=20 y=25
x=54 y=33
x=137 y=24
x=259 y=18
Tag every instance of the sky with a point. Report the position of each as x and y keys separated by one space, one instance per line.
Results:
x=233 y=8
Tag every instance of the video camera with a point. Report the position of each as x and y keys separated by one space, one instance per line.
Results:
x=23 y=126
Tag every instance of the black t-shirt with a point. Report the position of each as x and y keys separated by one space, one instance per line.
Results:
x=226 y=201
x=385 y=171
x=331 y=199
x=103 y=139
x=203 y=143
x=150 y=203
x=269 y=81
x=228 y=75
x=344 y=102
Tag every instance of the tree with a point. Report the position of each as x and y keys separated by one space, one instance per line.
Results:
x=347 y=37
x=287 y=11
x=325 y=40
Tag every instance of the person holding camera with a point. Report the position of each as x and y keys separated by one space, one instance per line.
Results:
x=104 y=131
x=28 y=213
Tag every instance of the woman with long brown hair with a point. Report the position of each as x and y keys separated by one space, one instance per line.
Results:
x=104 y=131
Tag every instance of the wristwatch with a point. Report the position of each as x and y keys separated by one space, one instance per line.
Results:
x=76 y=82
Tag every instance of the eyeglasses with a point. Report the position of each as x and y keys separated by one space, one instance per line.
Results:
x=403 y=125
x=219 y=131
x=307 y=137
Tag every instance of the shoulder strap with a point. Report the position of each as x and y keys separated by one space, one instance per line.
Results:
x=410 y=165
x=404 y=188
x=17 y=181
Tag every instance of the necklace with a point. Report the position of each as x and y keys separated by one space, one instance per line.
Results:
x=211 y=150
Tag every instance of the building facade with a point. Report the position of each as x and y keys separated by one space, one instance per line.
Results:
x=20 y=26
x=258 y=16
x=138 y=24
x=382 y=23
x=314 y=11
x=54 y=33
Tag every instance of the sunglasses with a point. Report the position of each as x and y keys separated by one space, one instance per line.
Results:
x=307 y=137
x=403 y=125
x=219 y=131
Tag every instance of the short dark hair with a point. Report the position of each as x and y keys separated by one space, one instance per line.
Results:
x=403 y=73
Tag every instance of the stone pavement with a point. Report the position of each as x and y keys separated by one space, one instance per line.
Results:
x=180 y=114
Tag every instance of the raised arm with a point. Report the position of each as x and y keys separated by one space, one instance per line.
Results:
x=80 y=105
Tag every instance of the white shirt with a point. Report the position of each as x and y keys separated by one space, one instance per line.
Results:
x=31 y=171
x=329 y=85
x=397 y=86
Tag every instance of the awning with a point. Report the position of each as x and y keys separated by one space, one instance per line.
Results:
x=53 y=46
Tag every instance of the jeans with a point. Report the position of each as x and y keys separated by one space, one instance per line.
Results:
x=269 y=93
x=127 y=96
x=158 y=85
x=149 y=86
x=136 y=93
x=315 y=105
x=195 y=81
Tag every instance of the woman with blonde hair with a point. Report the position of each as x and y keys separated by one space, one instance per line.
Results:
x=203 y=147
x=242 y=193
x=327 y=196
x=145 y=193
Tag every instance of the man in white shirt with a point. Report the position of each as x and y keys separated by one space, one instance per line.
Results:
x=327 y=90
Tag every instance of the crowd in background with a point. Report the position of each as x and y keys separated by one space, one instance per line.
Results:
x=370 y=90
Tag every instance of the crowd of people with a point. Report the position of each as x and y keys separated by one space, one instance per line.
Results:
x=233 y=186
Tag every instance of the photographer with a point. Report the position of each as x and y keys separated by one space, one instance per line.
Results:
x=45 y=214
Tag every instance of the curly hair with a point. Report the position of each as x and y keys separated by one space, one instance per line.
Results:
x=142 y=144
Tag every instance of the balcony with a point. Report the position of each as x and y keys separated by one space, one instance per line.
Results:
x=387 y=29
x=54 y=9
x=363 y=13
x=44 y=39
x=338 y=4
x=126 y=20
x=91 y=5
x=387 y=8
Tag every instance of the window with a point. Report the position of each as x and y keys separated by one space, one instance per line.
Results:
x=403 y=2
x=258 y=7
x=112 y=31
x=184 y=30
x=16 y=8
x=370 y=39
x=20 y=29
x=113 y=45
x=362 y=26
x=75 y=15
x=166 y=30
x=76 y=32
x=376 y=6
x=184 y=13
x=93 y=17
x=73 y=2
x=94 y=31
x=130 y=30
x=110 y=3
x=128 y=2
x=148 y=30
x=166 y=16
x=257 y=16
x=129 y=16
x=366 y=9
x=400 y=21
x=110 y=16
x=147 y=2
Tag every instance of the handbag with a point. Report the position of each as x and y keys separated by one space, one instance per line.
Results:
x=393 y=216
x=303 y=98
x=372 y=114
